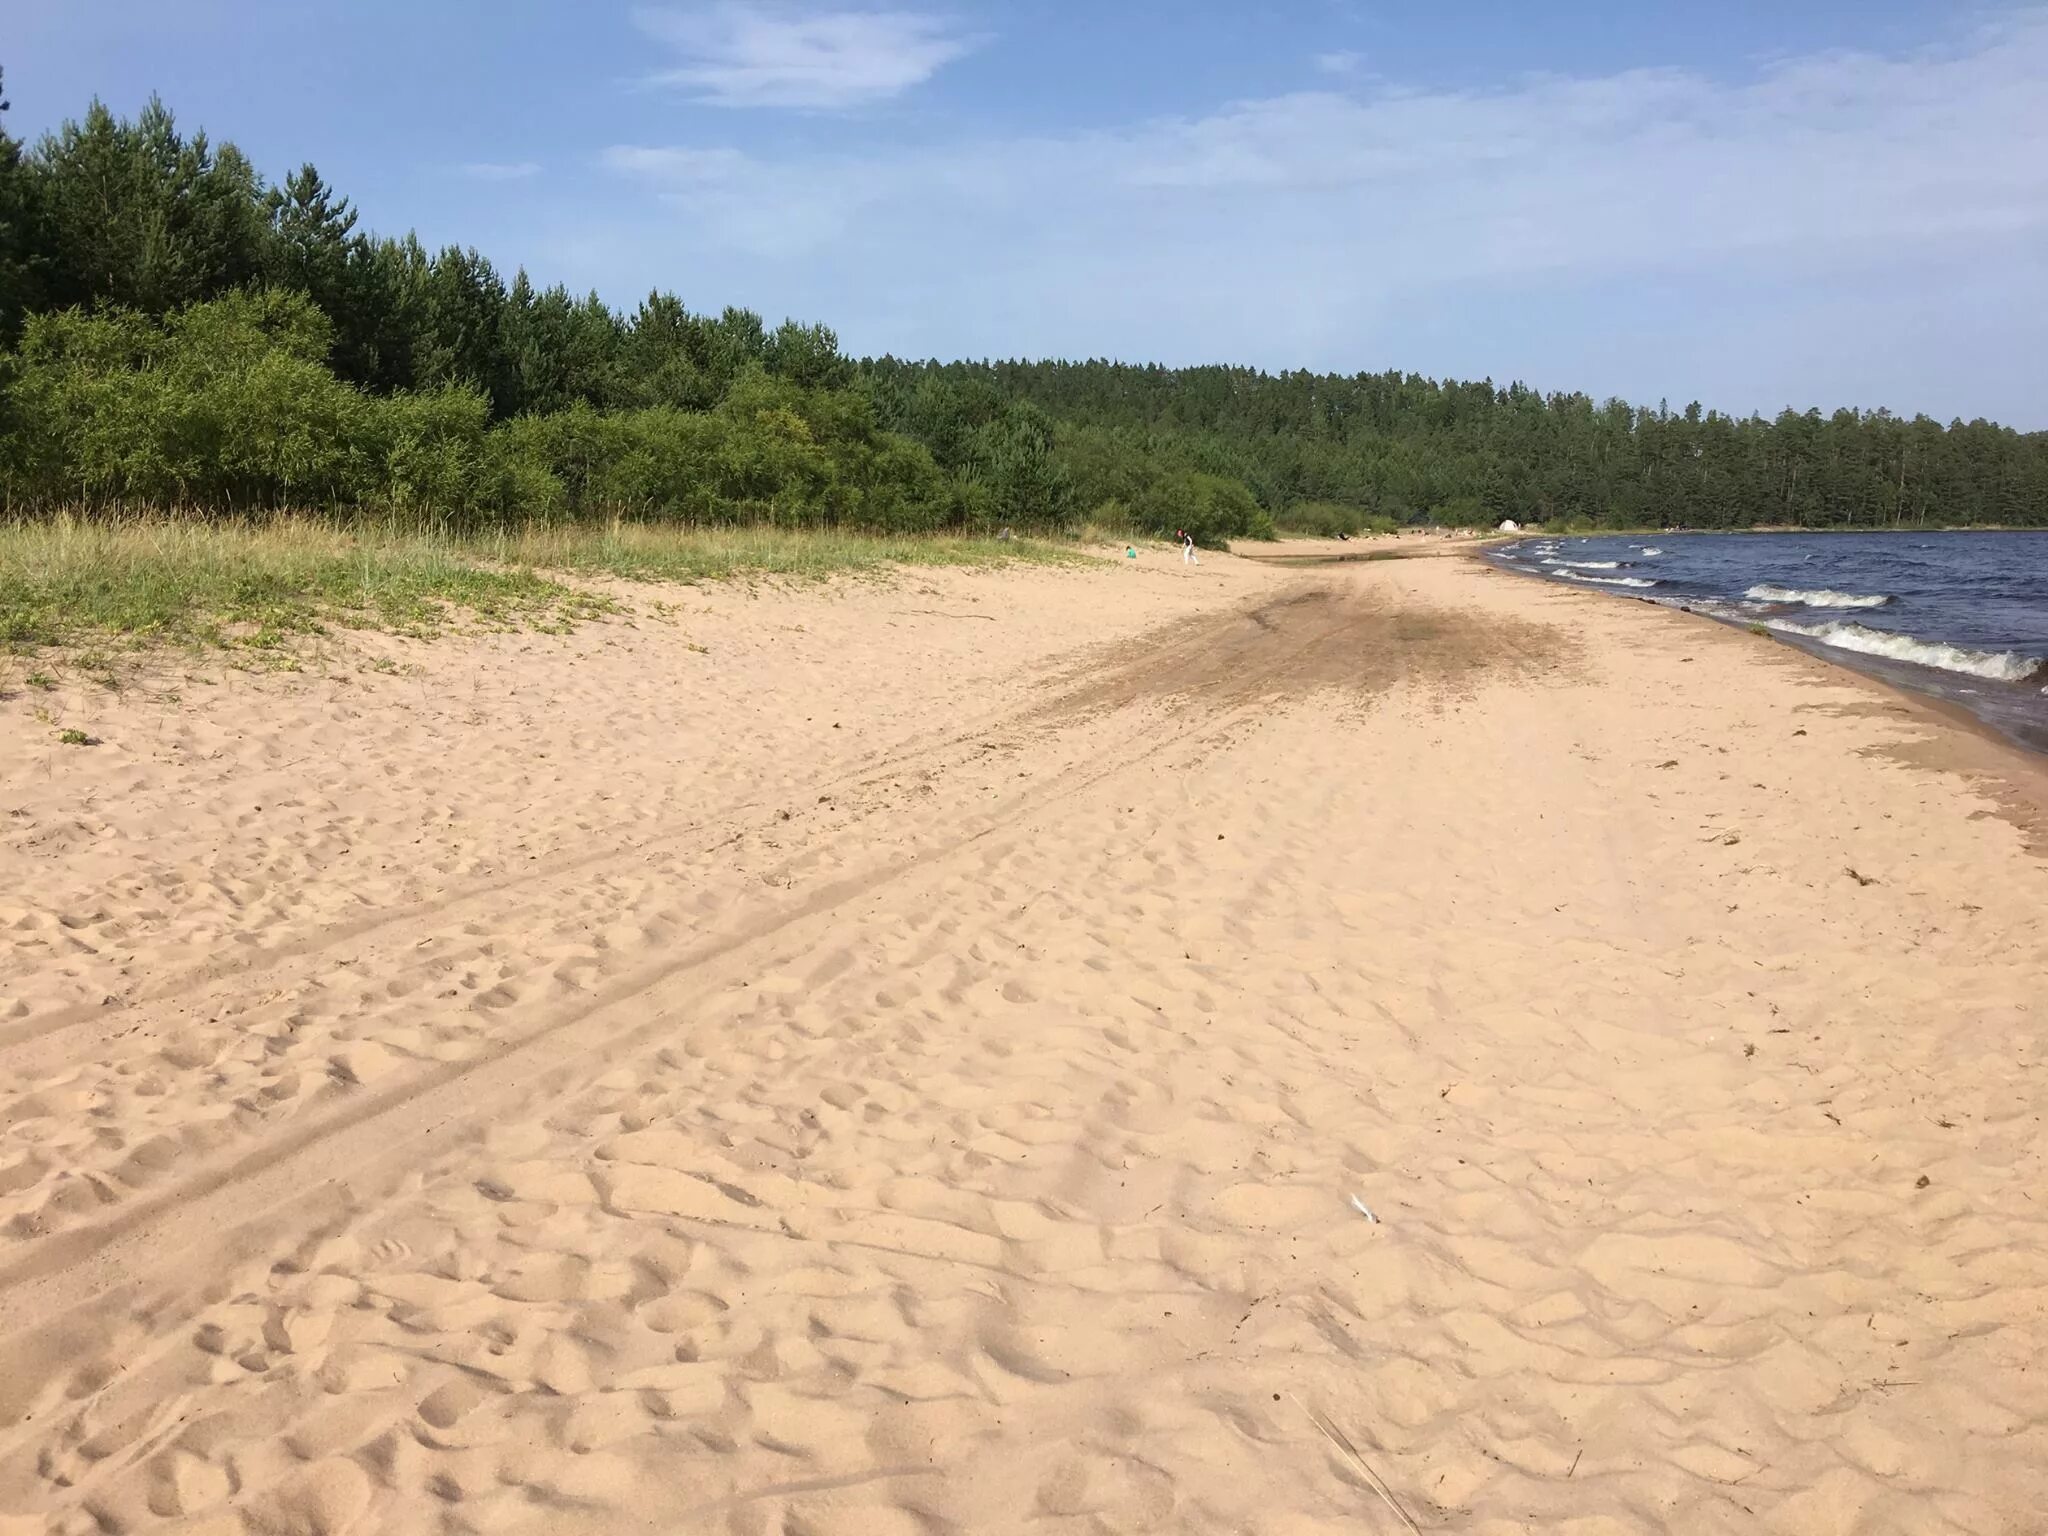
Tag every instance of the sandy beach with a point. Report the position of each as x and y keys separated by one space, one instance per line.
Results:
x=1249 y=1048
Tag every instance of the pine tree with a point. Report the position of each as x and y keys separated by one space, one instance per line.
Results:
x=137 y=215
x=20 y=234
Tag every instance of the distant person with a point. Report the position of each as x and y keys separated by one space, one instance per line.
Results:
x=1187 y=547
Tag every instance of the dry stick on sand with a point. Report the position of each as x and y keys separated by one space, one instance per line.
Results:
x=1373 y=1480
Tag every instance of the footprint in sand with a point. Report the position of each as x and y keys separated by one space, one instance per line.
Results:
x=1115 y=1493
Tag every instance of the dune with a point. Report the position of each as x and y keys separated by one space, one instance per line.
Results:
x=1254 y=1048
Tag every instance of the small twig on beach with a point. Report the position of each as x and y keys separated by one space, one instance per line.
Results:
x=1861 y=879
x=1373 y=1480
x=1575 y=1460
x=936 y=614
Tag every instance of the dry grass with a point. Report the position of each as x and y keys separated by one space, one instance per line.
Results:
x=72 y=581
x=654 y=552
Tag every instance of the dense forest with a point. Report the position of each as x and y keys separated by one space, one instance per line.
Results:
x=1409 y=448
x=177 y=332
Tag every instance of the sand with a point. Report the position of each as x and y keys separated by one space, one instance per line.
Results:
x=902 y=1058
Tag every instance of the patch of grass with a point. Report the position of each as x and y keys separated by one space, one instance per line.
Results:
x=260 y=586
x=70 y=581
x=654 y=552
x=73 y=737
x=41 y=680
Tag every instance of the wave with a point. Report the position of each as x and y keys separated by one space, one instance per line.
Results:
x=2000 y=666
x=1605 y=581
x=1587 y=565
x=1819 y=598
x=1652 y=551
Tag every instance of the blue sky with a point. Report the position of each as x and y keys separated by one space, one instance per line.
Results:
x=1751 y=204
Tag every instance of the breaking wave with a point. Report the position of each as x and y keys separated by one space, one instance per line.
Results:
x=1822 y=598
x=2000 y=666
x=1605 y=581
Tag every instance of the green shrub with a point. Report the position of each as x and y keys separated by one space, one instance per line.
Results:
x=1212 y=508
x=1461 y=512
x=1328 y=519
x=229 y=406
x=226 y=404
x=435 y=457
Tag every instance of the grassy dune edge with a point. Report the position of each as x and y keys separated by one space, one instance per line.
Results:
x=74 y=581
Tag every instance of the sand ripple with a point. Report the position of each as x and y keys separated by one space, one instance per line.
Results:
x=823 y=1097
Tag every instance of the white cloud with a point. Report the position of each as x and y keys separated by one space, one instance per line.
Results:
x=676 y=166
x=1651 y=167
x=1306 y=228
x=1342 y=62
x=500 y=170
x=748 y=55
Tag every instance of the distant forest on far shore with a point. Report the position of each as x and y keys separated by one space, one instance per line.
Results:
x=175 y=331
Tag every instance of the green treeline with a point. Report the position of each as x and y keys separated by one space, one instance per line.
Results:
x=1405 y=448
x=174 y=331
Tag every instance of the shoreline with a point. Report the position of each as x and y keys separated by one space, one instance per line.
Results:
x=812 y=1036
x=1960 y=741
x=1877 y=670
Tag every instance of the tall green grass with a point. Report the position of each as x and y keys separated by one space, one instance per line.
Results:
x=74 y=580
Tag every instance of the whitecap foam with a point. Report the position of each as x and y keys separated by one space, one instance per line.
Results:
x=1587 y=565
x=1651 y=551
x=1819 y=598
x=1605 y=581
x=1999 y=666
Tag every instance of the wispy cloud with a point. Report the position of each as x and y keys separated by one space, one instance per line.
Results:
x=500 y=170
x=1303 y=228
x=745 y=55
x=1657 y=167
x=1343 y=62
x=674 y=166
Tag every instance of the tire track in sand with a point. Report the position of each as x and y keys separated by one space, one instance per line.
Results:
x=1211 y=668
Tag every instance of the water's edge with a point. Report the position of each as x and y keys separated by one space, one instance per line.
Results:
x=1998 y=691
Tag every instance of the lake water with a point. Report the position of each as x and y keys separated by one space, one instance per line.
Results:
x=1963 y=616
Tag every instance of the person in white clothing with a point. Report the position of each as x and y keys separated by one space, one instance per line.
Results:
x=1187 y=547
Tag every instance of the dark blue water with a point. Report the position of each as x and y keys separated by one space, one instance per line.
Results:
x=1963 y=616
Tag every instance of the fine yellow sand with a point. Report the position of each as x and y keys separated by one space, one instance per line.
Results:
x=909 y=1058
